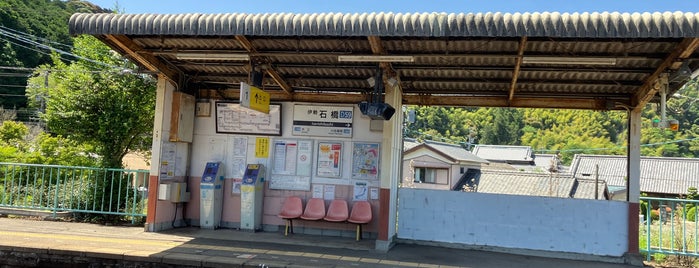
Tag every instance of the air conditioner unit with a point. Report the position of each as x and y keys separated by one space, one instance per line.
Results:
x=377 y=110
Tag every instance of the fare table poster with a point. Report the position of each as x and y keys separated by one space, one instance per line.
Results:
x=233 y=118
x=365 y=161
x=329 y=159
x=291 y=164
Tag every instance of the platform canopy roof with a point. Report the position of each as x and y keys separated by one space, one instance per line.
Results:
x=548 y=60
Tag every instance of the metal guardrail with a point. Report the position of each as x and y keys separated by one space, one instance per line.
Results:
x=87 y=190
x=670 y=227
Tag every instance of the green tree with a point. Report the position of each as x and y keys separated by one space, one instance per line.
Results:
x=505 y=129
x=12 y=132
x=97 y=101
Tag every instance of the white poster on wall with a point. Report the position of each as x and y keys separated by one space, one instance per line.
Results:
x=329 y=193
x=236 y=157
x=168 y=154
x=304 y=164
x=318 y=191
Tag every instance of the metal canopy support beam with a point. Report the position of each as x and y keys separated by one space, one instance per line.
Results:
x=437 y=100
x=149 y=61
x=245 y=43
x=647 y=91
x=518 y=65
x=633 y=166
x=520 y=102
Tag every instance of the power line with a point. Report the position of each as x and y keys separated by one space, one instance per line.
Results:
x=37 y=37
x=13 y=95
x=26 y=40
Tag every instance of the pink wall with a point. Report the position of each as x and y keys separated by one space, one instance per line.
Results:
x=273 y=200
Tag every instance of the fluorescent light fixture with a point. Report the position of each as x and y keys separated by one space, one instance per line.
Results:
x=569 y=60
x=212 y=56
x=375 y=58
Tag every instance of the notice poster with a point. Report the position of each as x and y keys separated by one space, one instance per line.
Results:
x=365 y=161
x=304 y=165
x=237 y=156
x=317 y=191
x=329 y=159
x=291 y=164
x=329 y=192
x=361 y=191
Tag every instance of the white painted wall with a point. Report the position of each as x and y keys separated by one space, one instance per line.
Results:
x=509 y=221
x=211 y=146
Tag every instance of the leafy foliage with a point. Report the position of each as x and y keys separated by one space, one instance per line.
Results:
x=19 y=146
x=98 y=104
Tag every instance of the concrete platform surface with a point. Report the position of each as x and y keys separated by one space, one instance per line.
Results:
x=194 y=247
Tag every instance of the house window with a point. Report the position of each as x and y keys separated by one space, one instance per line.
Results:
x=463 y=169
x=431 y=175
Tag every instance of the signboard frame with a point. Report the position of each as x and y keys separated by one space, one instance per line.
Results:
x=323 y=120
x=235 y=109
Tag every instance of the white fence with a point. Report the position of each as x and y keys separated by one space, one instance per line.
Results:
x=590 y=227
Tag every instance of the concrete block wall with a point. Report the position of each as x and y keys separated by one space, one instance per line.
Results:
x=593 y=227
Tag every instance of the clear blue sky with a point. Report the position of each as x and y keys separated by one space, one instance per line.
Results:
x=395 y=6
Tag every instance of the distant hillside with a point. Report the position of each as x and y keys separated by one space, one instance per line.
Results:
x=25 y=25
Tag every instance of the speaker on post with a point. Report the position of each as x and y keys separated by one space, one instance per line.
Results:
x=379 y=111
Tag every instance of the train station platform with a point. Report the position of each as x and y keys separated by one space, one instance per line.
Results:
x=37 y=243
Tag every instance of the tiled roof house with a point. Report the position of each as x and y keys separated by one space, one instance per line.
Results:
x=664 y=176
x=532 y=184
x=436 y=165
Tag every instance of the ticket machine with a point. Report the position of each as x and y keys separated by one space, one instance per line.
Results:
x=211 y=191
x=251 y=194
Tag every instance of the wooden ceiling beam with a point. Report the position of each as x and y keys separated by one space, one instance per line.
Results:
x=672 y=62
x=431 y=100
x=245 y=43
x=518 y=64
x=378 y=49
x=147 y=60
x=278 y=96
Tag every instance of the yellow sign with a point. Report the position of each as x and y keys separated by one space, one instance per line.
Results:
x=254 y=98
x=262 y=147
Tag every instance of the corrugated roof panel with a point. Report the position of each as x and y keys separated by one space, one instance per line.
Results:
x=449 y=46
x=463 y=62
x=573 y=88
x=345 y=84
x=579 y=75
x=340 y=73
x=457 y=86
x=590 y=25
x=214 y=68
x=407 y=74
x=312 y=45
x=222 y=43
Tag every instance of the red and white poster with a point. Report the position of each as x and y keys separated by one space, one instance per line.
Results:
x=329 y=159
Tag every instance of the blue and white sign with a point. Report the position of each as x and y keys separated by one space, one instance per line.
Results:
x=323 y=121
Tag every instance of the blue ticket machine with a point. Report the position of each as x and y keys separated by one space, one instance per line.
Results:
x=211 y=192
x=251 y=194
